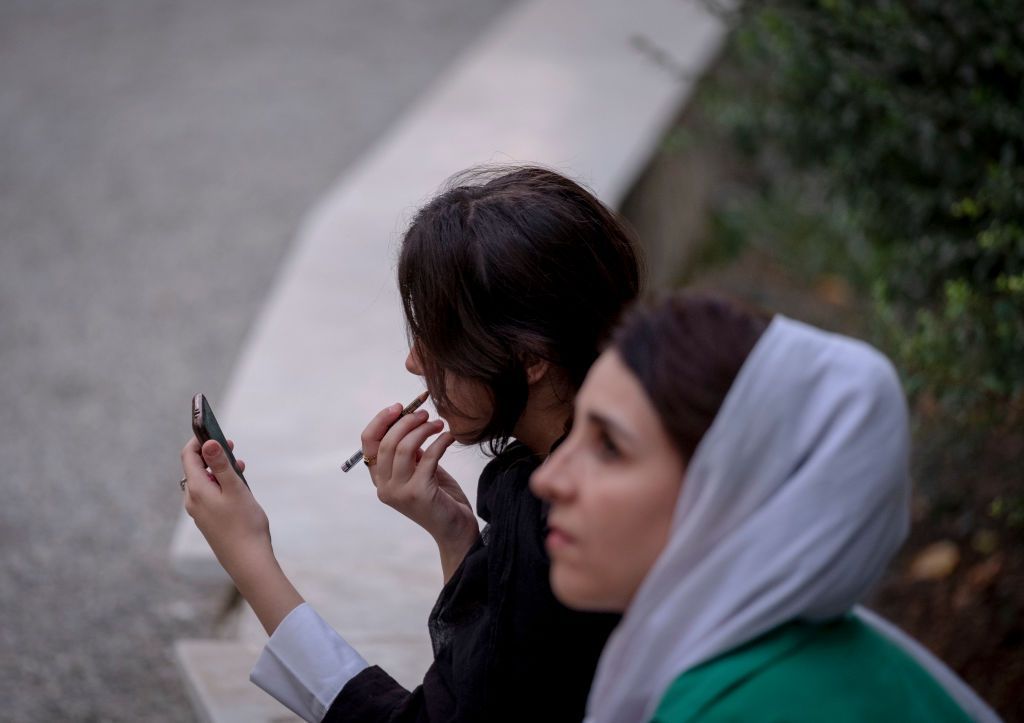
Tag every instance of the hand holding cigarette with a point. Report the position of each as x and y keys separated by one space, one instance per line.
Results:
x=409 y=478
x=409 y=409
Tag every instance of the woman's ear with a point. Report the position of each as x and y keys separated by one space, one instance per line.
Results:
x=536 y=370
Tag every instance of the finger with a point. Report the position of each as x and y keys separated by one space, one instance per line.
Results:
x=386 y=449
x=404 y=462
x=432 y=454
x=241 y=464
x=231 y=445
x=217 y=461
x=187 y=502
x=194 y=466
x=378 y=427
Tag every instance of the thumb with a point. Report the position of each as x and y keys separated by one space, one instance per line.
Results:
x=219 y=464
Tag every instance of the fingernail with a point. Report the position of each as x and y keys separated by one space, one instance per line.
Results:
x=396 y=407
x=214 y=451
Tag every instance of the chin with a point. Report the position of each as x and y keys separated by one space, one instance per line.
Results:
x=463 y=438
x=574 y=593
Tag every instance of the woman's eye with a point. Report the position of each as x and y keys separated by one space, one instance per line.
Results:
x=609 y=449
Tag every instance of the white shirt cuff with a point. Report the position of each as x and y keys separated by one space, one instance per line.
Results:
x=305 y=664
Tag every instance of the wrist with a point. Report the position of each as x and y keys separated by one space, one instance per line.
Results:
x=250 y=564
x=453 y=552
x=457 y=541
x=269 y=592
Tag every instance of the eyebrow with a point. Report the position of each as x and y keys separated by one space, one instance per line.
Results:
x=611 y=425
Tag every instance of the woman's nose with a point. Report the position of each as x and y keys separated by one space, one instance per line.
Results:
x=412 y=362
x=549 y=480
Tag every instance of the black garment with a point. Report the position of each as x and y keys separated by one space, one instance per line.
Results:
x=504 y=648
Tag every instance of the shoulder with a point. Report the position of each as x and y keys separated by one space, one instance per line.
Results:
x=836 y=671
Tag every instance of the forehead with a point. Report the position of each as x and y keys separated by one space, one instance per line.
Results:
x=612 y=391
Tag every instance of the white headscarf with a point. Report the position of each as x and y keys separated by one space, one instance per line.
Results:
x=792 y=506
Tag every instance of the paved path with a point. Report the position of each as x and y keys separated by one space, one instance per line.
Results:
x=156 y=159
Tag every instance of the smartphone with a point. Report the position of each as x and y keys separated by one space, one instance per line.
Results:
x=205 y=427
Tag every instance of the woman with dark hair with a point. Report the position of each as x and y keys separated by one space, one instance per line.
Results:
x=510 y=283
x=735 y=484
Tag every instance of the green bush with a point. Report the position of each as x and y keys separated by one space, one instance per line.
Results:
x=910 y=116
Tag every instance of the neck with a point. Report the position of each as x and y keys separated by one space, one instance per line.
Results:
x=543 y=422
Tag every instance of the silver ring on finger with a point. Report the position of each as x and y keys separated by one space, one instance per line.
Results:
x=184 y=481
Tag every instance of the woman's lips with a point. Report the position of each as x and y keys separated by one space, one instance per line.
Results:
x=557 y=539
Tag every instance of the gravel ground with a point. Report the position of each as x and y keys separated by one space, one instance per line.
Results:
x=156 y=158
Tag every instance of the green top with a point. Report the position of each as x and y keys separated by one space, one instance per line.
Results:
x=837 y=671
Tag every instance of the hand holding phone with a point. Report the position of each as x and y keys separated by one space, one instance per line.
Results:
x=205 y=427
x=234 y=524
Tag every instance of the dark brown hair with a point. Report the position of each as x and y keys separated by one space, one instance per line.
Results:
x=507 y=267
x=686 y=350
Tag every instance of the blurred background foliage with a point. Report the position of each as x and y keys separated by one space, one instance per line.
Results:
x=889 y=143
x=860 y=166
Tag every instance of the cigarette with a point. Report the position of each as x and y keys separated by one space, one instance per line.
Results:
x=409 y=409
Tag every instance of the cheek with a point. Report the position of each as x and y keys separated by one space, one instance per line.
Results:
x=470 y=404
x=623 y=529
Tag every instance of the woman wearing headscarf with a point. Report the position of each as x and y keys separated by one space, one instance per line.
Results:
x=736 y=484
